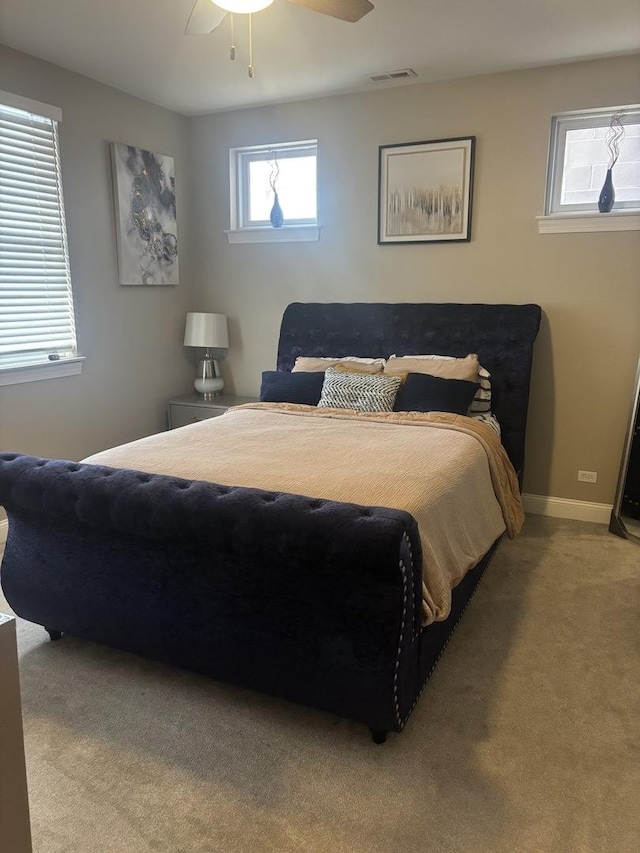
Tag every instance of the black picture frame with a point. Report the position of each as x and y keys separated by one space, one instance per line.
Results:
x=425 y=191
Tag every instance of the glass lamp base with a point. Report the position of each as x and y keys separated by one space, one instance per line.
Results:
x=208 y=382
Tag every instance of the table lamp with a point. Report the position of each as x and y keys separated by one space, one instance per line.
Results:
x=208 y=331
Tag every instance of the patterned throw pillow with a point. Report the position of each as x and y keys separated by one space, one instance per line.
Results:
x=373 y=392
x=481 y=403
x=491 y=421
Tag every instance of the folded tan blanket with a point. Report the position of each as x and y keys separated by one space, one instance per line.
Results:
x=449 y=471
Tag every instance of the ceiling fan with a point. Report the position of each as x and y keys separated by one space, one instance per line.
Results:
x=207 y=15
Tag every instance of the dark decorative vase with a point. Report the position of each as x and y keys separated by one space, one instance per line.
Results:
x=276 y=216
x=607 y=194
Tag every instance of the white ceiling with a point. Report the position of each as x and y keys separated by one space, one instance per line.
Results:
x=139 y=46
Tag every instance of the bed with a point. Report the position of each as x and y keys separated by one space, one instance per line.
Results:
x=304 y=595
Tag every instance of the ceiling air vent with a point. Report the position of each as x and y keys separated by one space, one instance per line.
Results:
x=401 y=74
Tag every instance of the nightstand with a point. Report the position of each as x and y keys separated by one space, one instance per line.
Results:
x=192 y=408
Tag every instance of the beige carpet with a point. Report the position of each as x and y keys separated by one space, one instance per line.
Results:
x=525 y=740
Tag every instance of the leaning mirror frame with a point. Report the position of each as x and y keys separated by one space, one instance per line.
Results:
x=622 y=524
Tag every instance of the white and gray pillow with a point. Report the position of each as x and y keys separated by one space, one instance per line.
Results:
x=366 y=392
x=481 y=403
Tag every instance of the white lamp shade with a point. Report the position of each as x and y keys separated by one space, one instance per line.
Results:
x=206 y=330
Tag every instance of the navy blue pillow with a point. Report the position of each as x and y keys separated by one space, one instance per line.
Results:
x=280 y=386
x=423 y=393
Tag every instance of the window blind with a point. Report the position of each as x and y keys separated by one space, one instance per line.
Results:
x=36 y=303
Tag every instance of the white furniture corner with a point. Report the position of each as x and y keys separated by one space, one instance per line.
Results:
x=15 y=829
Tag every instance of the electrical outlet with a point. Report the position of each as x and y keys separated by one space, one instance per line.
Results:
x=588 y=476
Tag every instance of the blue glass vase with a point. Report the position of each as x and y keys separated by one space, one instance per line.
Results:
x=607 y=194
x=276 y=216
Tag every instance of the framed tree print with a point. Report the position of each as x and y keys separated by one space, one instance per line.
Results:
x=425 y=191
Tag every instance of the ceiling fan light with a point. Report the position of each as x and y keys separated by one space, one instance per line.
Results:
x=243 y=7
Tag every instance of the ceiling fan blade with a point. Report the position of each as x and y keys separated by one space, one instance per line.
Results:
x=205 y=17
x=345 y=10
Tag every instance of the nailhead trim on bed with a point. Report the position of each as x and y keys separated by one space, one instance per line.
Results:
x=417 y=605
x=403 y=571
x=435 y=663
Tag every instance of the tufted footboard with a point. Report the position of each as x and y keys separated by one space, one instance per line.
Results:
x=311 y=600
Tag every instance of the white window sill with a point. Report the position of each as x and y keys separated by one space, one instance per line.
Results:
x=286 y=234
x=45 y=370
x=585 y=221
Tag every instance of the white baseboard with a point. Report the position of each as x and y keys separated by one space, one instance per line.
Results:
x=4 y=529
x=565 y=508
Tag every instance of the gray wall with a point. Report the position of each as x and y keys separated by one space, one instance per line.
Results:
x=588 y=284
x=131 y=336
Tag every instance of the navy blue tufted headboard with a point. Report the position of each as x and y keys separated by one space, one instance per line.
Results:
x=502 y=335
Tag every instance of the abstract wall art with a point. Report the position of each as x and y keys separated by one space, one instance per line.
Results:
x=425 y=190
x=145 y=207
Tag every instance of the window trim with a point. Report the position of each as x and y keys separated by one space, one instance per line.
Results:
x=28 y=105
x=587 y=222
x=72 y=363
x=243 y=230
x=575 y=120
x=44 y=370
x=268 y=234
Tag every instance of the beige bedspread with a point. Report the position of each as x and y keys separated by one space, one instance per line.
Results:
x=450 y=472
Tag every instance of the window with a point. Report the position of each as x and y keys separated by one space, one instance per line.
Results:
x=257 y=173
x=37 y=326
x=579 y=157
